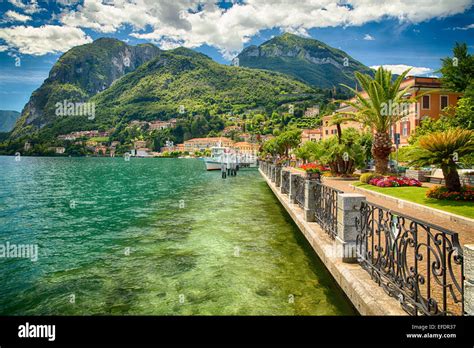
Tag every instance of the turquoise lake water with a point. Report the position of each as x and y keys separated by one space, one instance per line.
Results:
x=153 y=237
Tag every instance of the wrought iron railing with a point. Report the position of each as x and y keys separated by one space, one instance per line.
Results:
x=285 y=182
x=299 y=190
x=326 y=208
x=419 y=263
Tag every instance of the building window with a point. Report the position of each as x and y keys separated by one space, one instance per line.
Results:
x=444 y=102
x=327 y=132
x=425 y=102
x=405 y=129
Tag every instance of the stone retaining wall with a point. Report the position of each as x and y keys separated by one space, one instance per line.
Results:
x=366 y=296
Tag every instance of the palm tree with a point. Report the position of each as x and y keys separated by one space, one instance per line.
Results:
x=444 y=149
x=376 y=112
x=337 y=120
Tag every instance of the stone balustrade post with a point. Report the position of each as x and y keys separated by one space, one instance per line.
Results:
x=348 y=208
x=292 y=193
x=468 y=259
x=281 y=179
x=309 y=200
x=272 y=173
x=277 y=175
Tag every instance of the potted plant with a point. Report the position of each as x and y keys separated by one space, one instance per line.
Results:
x=313 y=171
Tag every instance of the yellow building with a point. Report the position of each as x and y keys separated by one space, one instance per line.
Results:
x=201 y=144
x=310 y=135
x=246 y=147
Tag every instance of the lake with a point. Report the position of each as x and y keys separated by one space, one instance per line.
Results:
x=153 y=237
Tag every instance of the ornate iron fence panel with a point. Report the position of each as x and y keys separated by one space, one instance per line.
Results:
x=285 y=182
x=299 y=191
x=326 y=208
x=419 y=263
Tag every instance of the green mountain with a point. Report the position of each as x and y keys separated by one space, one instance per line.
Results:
x=308 y=60
x=78 y=75
x=8 y=119
x=183 y=78
x=176 y=83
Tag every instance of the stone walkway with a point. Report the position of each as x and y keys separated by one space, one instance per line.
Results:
x=466 y=233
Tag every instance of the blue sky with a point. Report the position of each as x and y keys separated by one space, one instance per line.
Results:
x=33 y=34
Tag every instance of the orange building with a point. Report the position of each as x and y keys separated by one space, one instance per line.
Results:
x=429 y=105
x=328 y=130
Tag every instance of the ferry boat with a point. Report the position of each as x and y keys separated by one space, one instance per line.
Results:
x=226 y=155
x=217 y=157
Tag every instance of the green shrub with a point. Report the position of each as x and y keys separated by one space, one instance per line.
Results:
x=366 y=177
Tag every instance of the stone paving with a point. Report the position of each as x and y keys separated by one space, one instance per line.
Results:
x=466 y=233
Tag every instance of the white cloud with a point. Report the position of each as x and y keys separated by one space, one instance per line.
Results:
x=399 y=68
x=467 y=27
x=30 y=7
x=44 y=39
x=369 y=37
x=16 y=17
x=182 y=22
x=192 y=23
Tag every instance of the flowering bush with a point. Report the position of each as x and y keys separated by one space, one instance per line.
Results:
x=441 y=192
x=366 y=177
x=312 y=168
x=393 y=181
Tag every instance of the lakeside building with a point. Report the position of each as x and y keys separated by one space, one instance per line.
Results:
x=311 y=135
x=311 y=112
x=137 y=144
x=201 y=144
x=429 y=105
x=229 y=129
x=143 y=152
x=58 y=150
x=100 y=149
x=266 y=137
x=245 y=147
x=160 y=125
x=83 y=134
x=155 y=125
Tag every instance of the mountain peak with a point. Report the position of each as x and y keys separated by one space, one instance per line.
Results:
x=307 y=59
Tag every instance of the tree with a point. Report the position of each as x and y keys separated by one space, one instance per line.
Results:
x=444 y=149
x=458 y=72
x=342 y=157
x=272 y=147
x=307 y=151
x=289 y=139
x=337 y=120
x=377 y=110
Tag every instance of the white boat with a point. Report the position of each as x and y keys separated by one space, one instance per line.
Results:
x=217 y=157
x=228 y=156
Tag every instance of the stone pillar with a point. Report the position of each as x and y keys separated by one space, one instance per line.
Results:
x=277 y=176
x=468 y=259
x=348 y=208
x=272 y=173
x=292 y=193
x=309 y=200
x=281 y=178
